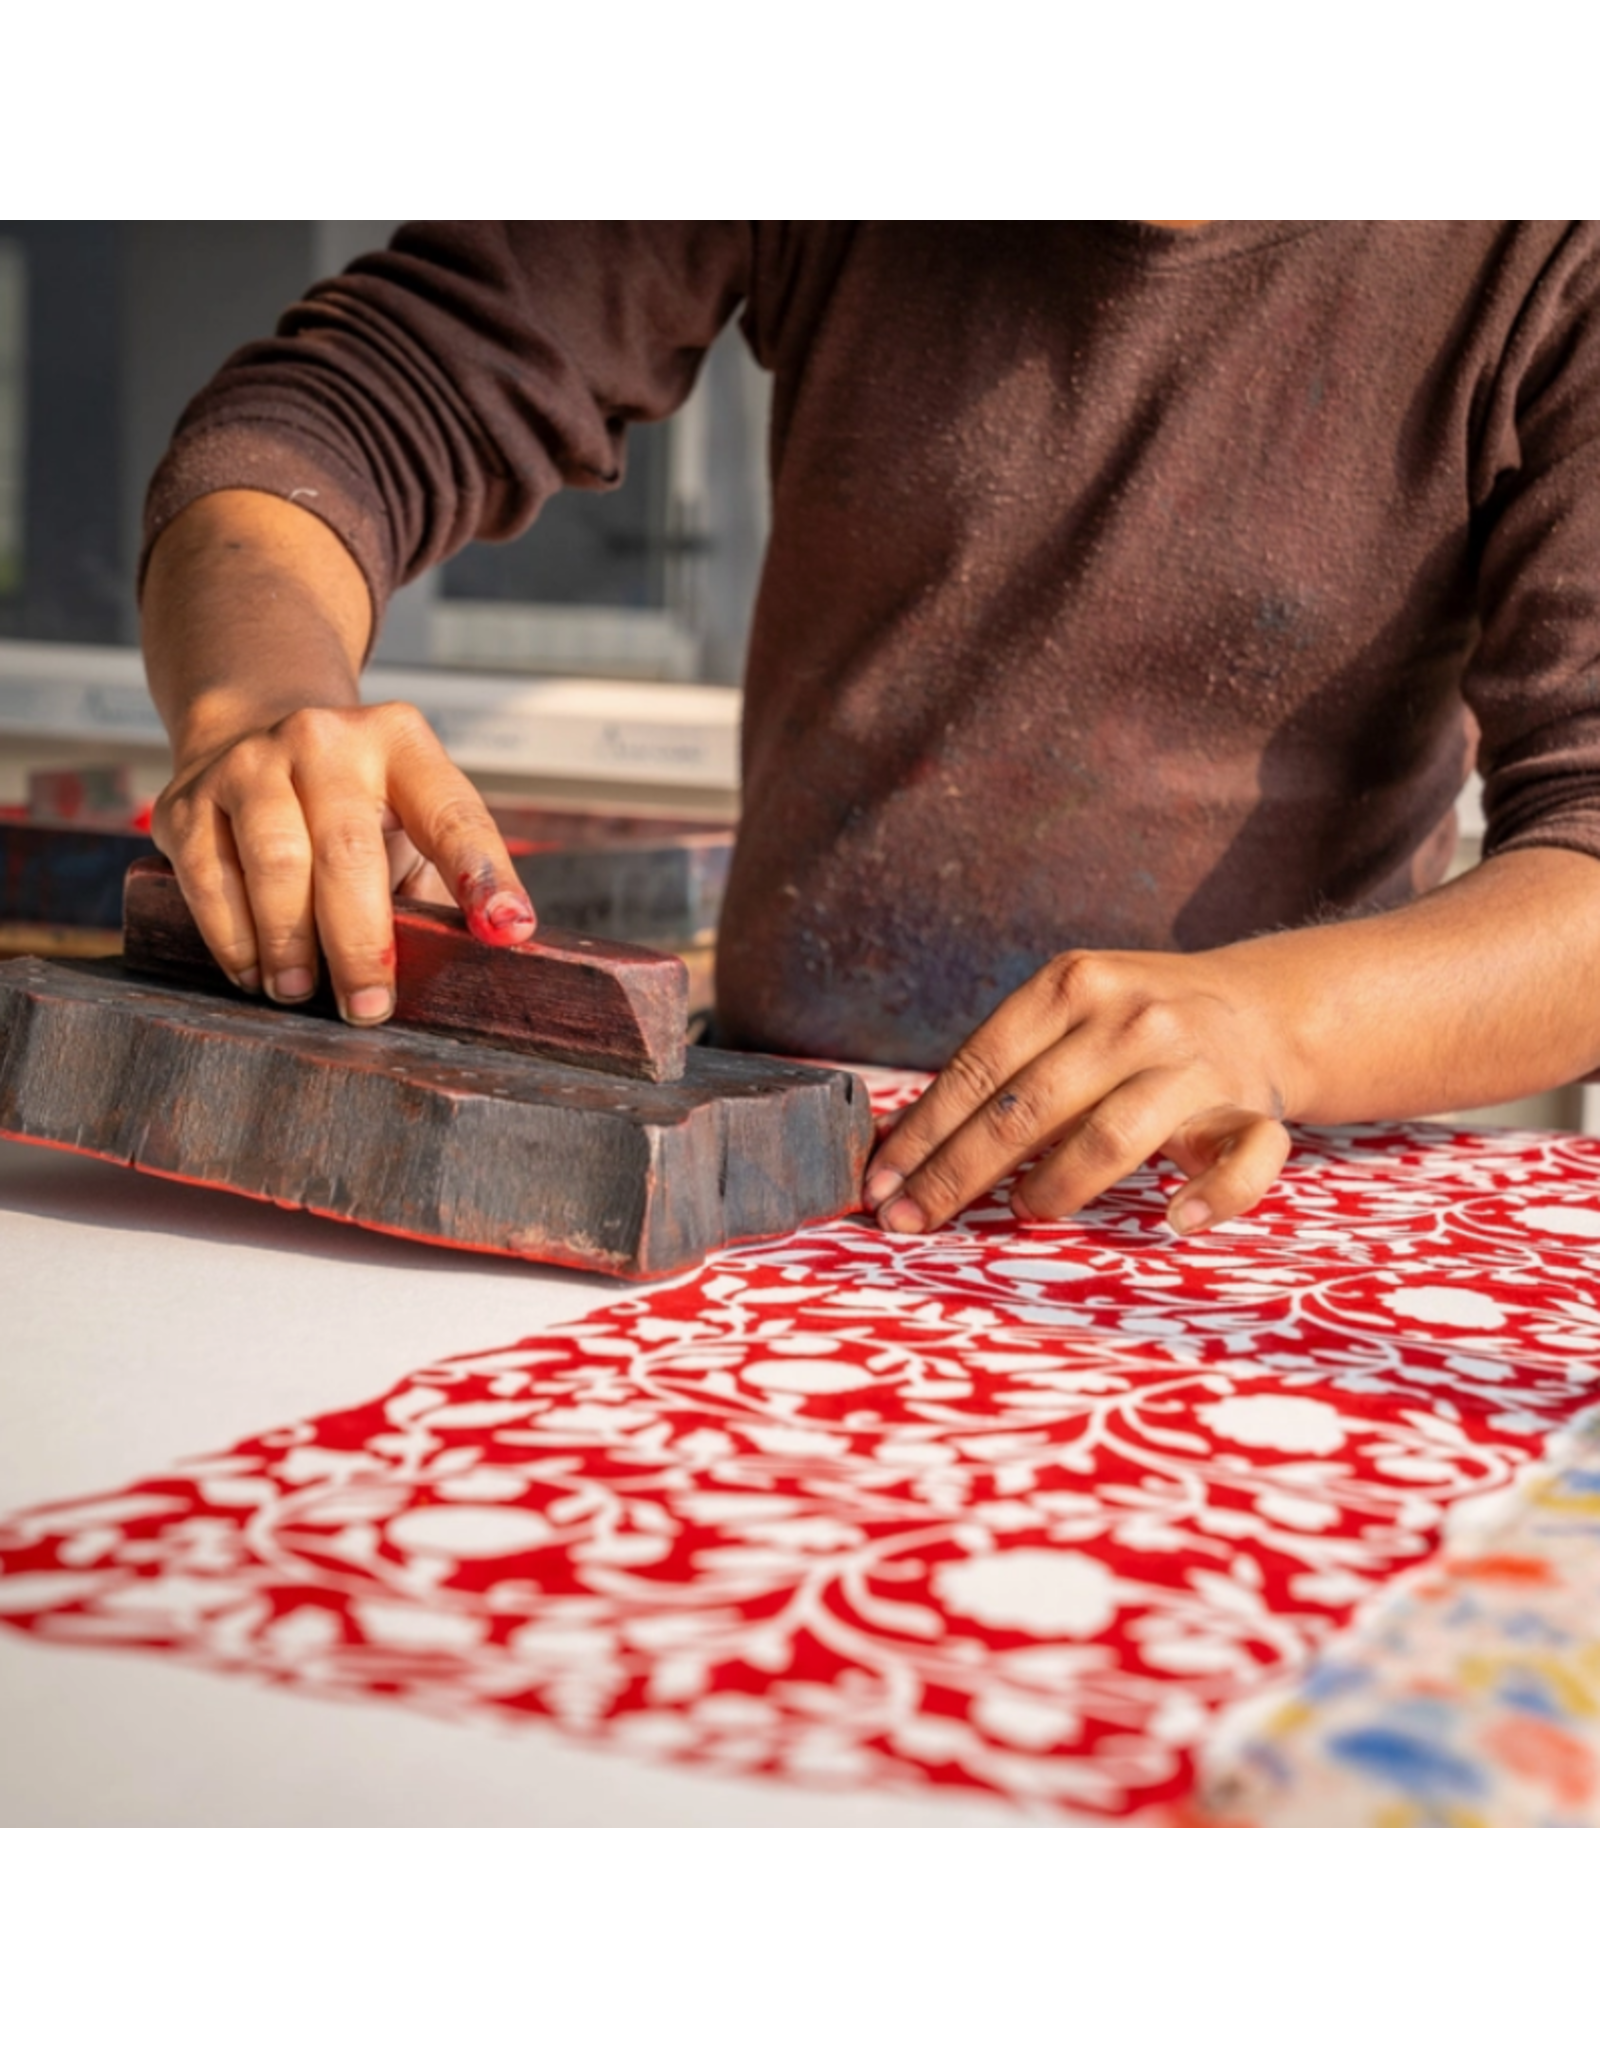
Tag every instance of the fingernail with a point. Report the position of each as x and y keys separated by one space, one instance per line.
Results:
x=882 y=1186
x=1188 y=1217
x=249 y=979
x=292 y=986
x=504 y=919
x=508 y=909
x=903 y=1216
x=368 y=1005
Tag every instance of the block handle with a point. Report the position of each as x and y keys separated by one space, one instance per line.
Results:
x=588 y=1002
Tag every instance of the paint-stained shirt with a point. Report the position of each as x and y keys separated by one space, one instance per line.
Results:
x=1127 y=587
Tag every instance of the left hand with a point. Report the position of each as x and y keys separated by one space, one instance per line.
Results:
x=1099 y=1062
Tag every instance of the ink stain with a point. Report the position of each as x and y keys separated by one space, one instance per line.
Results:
x=498 y=917
x=503 y=919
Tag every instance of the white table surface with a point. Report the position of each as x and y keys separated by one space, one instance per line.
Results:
x=141 y=1321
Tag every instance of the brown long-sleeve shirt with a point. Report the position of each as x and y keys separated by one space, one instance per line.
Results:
x=1124 y=585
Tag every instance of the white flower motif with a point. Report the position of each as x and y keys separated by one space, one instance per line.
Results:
x=1562 y=1221
x=469 y=1531
x=1042 y=1592
x=806 y=1376
x=1456 y=1308
x=1024 y=1720
x=1279 y=1422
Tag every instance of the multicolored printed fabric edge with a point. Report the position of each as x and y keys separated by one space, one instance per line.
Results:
x=1467 y=1694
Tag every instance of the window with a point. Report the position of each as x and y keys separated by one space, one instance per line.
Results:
x=13 y=370
x=107 y=328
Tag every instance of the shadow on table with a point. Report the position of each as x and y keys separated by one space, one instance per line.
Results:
x=37 y=1180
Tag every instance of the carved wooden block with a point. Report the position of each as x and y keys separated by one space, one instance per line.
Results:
x=589 y=1002
x=402 y=1131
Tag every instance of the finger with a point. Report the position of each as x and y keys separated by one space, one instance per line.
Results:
x=1113 y=1138
x=411 y=873
x=1232 y=1157
x=1028 y=1114
x=197 y=839
x=448 y=821
x=350 y=887
x=274 y=847
x=980 y=1073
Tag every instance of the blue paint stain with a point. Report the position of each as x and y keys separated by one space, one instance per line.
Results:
x=1407 y=1761
x=1528 y=1693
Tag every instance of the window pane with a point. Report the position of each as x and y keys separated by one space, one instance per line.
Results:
x=108 y=328
x=67 y=569
x=586 y=547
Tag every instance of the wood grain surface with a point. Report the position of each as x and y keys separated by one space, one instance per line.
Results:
x=402 y=1131
x=590 y=1002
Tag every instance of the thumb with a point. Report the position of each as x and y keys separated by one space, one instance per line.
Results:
x=1231 y=1156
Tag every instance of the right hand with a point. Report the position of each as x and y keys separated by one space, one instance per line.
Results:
x=304 y=830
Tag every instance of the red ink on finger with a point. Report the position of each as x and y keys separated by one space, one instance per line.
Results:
x=386 y=958
x=499 y=917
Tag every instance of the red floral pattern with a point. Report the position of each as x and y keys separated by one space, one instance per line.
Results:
x=1020 y=1509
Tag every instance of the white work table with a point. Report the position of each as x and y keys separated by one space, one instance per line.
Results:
x=142 y=1322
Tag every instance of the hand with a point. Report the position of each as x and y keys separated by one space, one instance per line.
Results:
x=305 y=829
x=1099 y=1062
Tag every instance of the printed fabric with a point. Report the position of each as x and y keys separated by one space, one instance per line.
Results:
x=1021 y=1510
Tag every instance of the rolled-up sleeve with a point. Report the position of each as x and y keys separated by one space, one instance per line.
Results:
x=441 y=390
x=1534 y=680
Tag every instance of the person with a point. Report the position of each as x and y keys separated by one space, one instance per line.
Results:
x=1130 y=591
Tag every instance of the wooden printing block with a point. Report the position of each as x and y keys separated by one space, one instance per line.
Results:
x=407 y=1132
x=589 y=1002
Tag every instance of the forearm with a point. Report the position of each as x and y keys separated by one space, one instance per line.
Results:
x=252 y=609
x=1481 y=991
